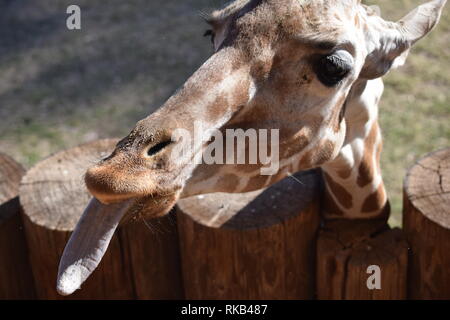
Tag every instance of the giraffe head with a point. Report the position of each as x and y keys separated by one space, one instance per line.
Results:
x=277 y=64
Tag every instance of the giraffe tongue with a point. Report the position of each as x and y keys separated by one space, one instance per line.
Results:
x=88 y=243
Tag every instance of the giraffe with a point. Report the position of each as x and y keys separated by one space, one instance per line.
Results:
x=311 y=69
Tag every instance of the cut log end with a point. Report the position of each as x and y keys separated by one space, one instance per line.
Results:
x=426 y=221
x=427 y=187
x=53 y=193
x=253 y=210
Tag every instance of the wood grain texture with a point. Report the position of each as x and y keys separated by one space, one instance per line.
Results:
x=263 y=250
x=426 y=221
x=16 y=281
x=154 y=255
x=53 y=196
x=346 y=249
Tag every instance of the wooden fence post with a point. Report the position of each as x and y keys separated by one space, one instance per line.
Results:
x=426 y=221
x=16 y=281
x=257 y=245
x=138 y=264
x=346 y=250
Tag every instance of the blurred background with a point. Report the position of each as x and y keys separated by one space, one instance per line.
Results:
x=60 y=88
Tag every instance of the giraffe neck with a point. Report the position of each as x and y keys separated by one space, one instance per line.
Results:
x=354 y=188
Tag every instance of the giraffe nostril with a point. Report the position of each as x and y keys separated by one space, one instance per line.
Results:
x=158 y=147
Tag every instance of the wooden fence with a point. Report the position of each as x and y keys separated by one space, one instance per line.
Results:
x=268 y=244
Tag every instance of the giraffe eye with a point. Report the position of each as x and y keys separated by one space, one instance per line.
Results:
x=332 y=69
x=158 y=147
x=210 y=33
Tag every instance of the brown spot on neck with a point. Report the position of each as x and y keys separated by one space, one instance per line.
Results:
x=318 y=155
x=330 y=207
x=339 y=192
x=216 y=109
x=228 y=182
x=256 y=182
x=295 y=145
x=345 y=173
x=376 y=201
x=242 y=169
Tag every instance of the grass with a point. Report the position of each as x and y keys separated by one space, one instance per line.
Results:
x=60 y=88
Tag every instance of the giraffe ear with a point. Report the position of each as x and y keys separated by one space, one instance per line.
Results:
x=389 y=43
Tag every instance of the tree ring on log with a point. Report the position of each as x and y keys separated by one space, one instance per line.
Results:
x=53 y=193
x=427 y=186
x=426 y=221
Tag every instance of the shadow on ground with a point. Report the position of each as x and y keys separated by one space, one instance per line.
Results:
x=62 y=87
